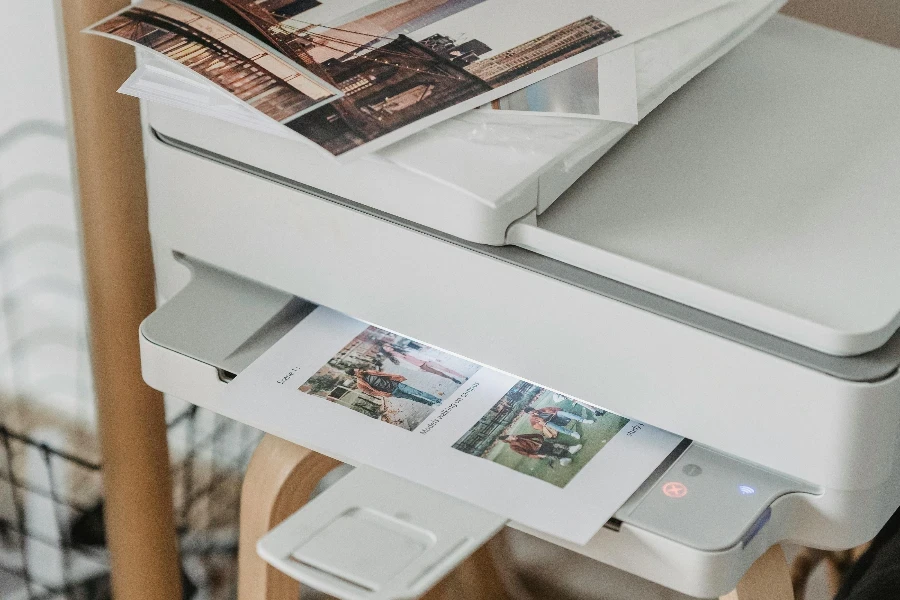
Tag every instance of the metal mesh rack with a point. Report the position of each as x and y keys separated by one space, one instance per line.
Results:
x=40 y=545
x=207 y=484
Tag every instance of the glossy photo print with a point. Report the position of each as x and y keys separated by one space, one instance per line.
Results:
x=271 y=84
x=332 y=383
x=541 y=433
x=390 y=378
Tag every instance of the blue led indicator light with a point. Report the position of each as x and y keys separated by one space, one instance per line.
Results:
x=746 y=490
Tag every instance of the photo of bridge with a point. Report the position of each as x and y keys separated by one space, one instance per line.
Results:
x=274 y=86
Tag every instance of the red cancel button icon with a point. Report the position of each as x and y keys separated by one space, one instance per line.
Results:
x=674 y=489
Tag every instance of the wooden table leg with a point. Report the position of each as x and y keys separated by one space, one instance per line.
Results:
x=280 y=479
x=140 y=527
x=477 y=578
x=837 y=564
x=769 y=578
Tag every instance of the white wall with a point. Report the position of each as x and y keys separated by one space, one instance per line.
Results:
x=42 y=344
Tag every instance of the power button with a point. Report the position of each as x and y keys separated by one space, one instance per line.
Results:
x=691 y=470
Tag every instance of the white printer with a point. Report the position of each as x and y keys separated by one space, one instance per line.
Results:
x=727 y=271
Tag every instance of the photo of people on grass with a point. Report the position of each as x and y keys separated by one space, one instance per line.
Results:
x=389 y=377
x=540 y=433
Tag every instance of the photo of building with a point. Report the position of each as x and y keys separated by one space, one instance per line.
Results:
x=260 y=20
x=285 y=9
x=390 y=85
x=543 y=51
x=386 y=88
x=373 y=75
x=460 y=54
x=283 y=25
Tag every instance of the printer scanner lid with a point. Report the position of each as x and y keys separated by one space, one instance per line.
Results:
x=766 y=191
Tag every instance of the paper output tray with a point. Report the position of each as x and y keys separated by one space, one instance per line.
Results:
x=764 y=191
x=219 y=323
x=374 y=536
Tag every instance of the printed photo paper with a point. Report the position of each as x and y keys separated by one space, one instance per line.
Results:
x=267 y=82
x=366 y=395
x=603 y=88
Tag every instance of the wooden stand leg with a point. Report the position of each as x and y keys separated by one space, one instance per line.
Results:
x=837 y=564
x=477 y=578
x=802 y=569
x=140 y=526
x=280 y=478
x=768 y=579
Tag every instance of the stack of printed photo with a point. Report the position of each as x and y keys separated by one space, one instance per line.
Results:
x=352 y=76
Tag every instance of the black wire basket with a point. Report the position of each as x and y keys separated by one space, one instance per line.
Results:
x=52 y=541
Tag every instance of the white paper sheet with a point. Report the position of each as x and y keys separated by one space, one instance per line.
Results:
x=159 y=84
x=377 y=398
x=604 y=88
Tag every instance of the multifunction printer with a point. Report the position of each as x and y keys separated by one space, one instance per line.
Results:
x=726 y=270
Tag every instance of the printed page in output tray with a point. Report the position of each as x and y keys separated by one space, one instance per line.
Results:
x=365 y=395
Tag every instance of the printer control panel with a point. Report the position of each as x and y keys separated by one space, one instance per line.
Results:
x=709 y=500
